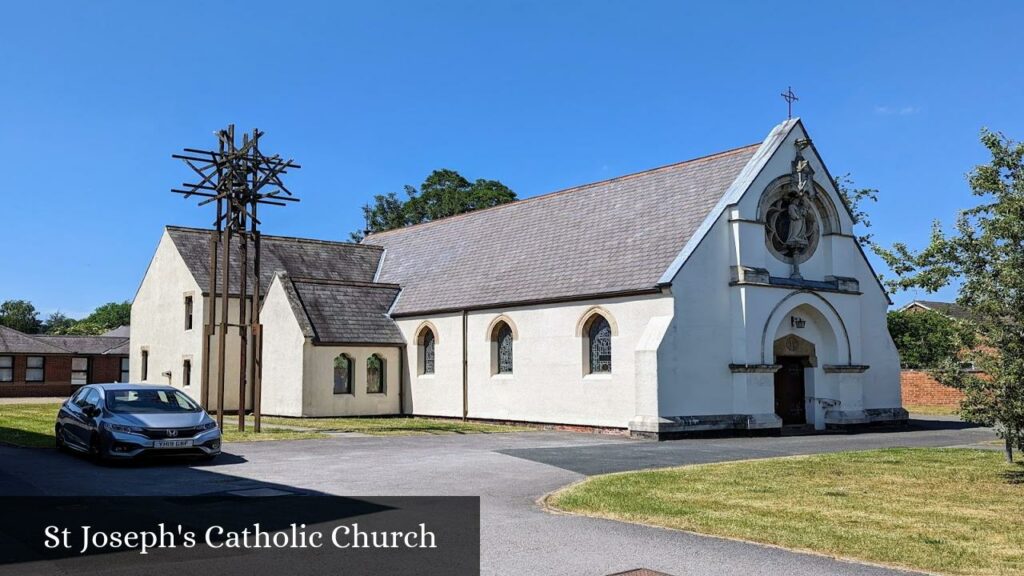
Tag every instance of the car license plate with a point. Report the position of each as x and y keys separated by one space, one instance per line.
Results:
x=172 y=443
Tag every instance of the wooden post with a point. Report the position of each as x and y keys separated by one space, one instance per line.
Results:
x=256 y=376
x=234 y=178
x=222 y=340
x=243 y=328
x=211 y=317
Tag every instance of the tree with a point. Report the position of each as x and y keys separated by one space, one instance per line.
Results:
x=985 y=254
x=57 y=323
x=444 y=193
x=925 y=339
x=386 y=213
x=103 y=318
x=20 y=315
x=854 y=199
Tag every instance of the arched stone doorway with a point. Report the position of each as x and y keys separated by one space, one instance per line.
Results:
x=804 y=336
x=795 y=356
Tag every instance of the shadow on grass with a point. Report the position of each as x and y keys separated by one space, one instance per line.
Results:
x=25 y=438
x=1015 y=476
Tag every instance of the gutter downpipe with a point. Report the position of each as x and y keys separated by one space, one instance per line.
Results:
x=465 y=367
x=401 y=380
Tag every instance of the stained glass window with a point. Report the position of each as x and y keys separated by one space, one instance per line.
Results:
x=504 y=339
x=428 y=351
x=342 y=374
x=600 y=346
x=374 y=375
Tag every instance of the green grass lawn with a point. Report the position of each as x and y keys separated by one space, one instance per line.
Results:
x=930 y=410
x=953 y=511
x=31 y=425
x=393 y=426
x=28 y=424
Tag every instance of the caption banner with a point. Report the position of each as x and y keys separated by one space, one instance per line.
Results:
x=255 y=536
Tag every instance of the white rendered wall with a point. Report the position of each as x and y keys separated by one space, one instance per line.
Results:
x=158 y=325
x=716 y=324
x=158 y=321
x=549 y=382
x=283 y=355
x=440 y=393
x=318 y=397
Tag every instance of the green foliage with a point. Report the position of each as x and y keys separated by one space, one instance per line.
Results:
x=57 y=323
x=854 y=198
x=926 y=339
x=106 y=317
x=986 y=255
x=20 y=315
x=444 y=193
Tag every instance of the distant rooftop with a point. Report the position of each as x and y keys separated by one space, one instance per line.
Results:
x=951 y=309
x=15 y=342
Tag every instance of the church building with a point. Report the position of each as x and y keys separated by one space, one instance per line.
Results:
x=726 y=292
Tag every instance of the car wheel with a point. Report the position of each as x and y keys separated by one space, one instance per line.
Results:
x=95 y=451
x=58 y=434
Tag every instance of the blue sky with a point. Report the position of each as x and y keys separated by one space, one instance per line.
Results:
x=94 y=97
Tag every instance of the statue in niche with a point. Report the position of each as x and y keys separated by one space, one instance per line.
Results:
x=791 y=224
x=796 y=236
x=790 y=221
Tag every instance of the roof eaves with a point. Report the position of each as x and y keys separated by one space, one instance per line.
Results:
x=353 y=283
x=532 y=302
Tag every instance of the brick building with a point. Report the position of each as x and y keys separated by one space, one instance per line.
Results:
x=38 y=365
x=917 y=386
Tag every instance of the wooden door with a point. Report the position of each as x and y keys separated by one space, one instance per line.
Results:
x=789 y=390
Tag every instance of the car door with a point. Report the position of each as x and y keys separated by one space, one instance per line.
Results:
x=66 y=415
x=80 y=424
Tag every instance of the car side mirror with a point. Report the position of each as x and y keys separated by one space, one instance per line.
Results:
x=91 y=411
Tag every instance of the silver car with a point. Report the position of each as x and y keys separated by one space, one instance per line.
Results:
x=122 y=421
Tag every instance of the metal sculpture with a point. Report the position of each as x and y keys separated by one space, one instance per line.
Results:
x=238 y=179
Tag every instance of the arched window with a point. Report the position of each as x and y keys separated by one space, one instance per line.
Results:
x=599 y=345
x=342 y=374
x=503 y=340
x=428 y=351
x=375 y=376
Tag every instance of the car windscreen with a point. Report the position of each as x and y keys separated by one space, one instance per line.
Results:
x=149 y=402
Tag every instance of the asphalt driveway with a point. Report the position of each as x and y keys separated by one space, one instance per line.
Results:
x=509 y=471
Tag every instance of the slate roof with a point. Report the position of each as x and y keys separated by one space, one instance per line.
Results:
x=333 y=312
x=610 y=237
x=14 y=342
x=299 y=257
x=121 y=331
x=87 y=344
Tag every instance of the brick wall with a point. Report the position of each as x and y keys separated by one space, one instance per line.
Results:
x=918 y=387
x=57 y=375
x=105 y=368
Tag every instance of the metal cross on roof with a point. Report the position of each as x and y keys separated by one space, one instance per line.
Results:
x=789 y=97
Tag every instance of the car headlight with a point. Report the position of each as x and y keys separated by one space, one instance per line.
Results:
x=208 y=426
x=123 y=428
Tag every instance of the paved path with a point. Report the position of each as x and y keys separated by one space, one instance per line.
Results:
x=33 y=400
x=509 y=471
